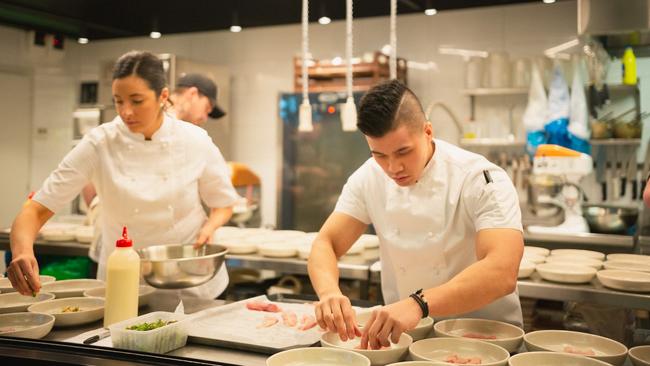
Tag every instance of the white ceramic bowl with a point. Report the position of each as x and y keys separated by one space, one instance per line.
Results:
x=421 y=330
x=145 y=293
x=578 y=253
x=304 y=251
x=317 y=356
x=603 y=349
x=554 y=359
x=536 y=251
x=583 y=261
x=625 y=280
x=640 y=355
x=237 y=246
x=71 y=288
x=440 y=349
x=14 y=302
x=502 y=334
x=640 y=258
x=396 y=352
x=5 y=284
x=566 y=273
x=26 y=325
x=627 y=266
x=91 y=309
x=525 y=269
x=534 y=258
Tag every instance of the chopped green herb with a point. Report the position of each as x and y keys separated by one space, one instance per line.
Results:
x=151 y=326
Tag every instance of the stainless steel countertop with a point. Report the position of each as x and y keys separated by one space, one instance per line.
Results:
x=167 y=300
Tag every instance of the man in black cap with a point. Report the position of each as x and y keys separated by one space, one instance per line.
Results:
x=195 y=99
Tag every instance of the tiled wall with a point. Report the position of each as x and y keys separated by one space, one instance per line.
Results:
x=261 y=66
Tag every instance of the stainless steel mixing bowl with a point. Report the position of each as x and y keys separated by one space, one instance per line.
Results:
x=180 y=266
x=608 y=219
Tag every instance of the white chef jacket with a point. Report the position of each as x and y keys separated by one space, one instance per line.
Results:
x=427 y=231
x=153 y=187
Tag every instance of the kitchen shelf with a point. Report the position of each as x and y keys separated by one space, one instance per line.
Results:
x=495 y=91
x=615 y=142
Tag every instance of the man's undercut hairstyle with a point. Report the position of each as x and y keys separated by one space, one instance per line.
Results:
x=387 y=106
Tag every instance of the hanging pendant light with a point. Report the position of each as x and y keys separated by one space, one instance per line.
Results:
x=304 y=116
x=349 y=112
x=392 y=62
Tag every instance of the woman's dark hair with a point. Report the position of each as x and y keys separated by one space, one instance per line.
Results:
x=386 y=106
x=143 y=64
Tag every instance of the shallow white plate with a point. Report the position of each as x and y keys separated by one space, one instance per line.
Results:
x=15 y=302
x=144 y=294
x=91 y=309
x=396 y=352
x=26 y=325
x=501 y=334
x=583 y=261
x=533 y=258
x=640 y=258
x=369 y=241
x=71 y=288
x=439 y=349
x=536 y=251
x=625 y=280
x=525 y=269
x=566 y=273
x=85 y=234
x=552 y=358
x=321 y=356
x=640 y=355
x=627 y=266
x=603 y=349
x=578 y=253
x=277 y=250
x=5 y=284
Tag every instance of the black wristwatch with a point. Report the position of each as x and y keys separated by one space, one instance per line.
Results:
x=418 y=296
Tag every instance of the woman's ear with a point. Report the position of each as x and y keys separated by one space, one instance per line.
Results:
x=164 y=96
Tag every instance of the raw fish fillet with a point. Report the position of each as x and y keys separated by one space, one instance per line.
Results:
x=263 y=306
x=479 y=335
x=268 y=321
x=579 y=351
x=454 y=358
x=307 y=322
x=289 y=318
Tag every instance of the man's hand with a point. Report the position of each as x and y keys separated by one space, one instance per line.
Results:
x=334 y=313
x=204 y=236
x=387 y=323
x=23 y=274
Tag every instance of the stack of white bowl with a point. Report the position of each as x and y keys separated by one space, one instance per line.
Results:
x=626 y=272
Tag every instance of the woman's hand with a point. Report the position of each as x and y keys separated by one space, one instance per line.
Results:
x=23 y=274
x=204 y=236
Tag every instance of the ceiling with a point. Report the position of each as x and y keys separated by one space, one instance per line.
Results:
x=102 y=19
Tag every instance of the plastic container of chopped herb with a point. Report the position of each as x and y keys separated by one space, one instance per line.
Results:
x=157 y=332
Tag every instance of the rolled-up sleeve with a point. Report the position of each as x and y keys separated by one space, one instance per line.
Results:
x=215 y=186
x=492 y=204
x=68 y=179
x=352 y=200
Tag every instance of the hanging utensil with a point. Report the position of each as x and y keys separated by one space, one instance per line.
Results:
x=601 y=164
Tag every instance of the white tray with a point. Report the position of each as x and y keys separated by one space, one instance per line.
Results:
x=234 y=326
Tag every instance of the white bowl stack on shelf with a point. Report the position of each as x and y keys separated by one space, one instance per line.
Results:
x=85 y=234
x=59 y=231
x=532 y=256
x=236 y=239
x=582 y=261
x=570 y=265
x=576 y=253
x=279 y=243
x=626 y=272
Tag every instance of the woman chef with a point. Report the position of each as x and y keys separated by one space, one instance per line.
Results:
x=150 y=170
x=448 y=222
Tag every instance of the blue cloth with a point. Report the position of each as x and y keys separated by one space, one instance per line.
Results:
x=534 y=139
x=557 y=132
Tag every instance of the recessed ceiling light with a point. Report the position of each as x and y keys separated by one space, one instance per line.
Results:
x=235 y=28
x=430 y=11
x=155 y=35
x=548 y=1
x=324 y=20
x=82 y=40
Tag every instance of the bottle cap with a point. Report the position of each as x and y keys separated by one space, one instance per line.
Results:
x=124 y=242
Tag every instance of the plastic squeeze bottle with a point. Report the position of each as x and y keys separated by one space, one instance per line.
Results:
x=629 y=67
x=122 y=282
